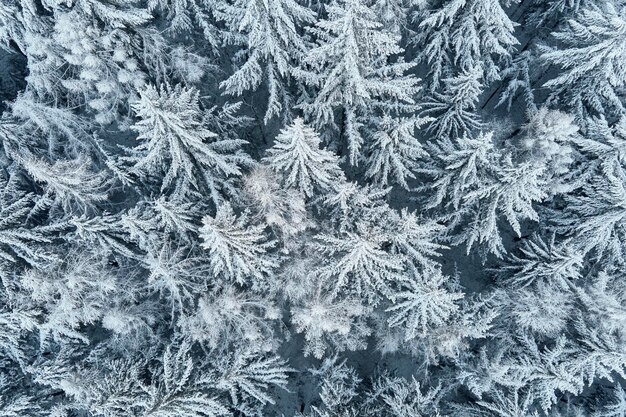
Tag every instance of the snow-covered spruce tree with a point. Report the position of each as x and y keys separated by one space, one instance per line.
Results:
x=461 y=36
x=272 y=34
x=229 y=312
x=359 y=263
x=92 y=47
x=340 y=393
x=171 y=130
x=185 y=15
x=423 y=303
x=591 y=46
x=239 y=250
x=70 y=184
x=178 y=383
x=452 y=111
x=327 y=321
x=593 y=214
x=483 y=181
x=282 y=209
x=22 y=239
x=466 y=45
x=395 y=150
x=297 y=158
x=354 y=72
x=71 y=293
x=396 y=15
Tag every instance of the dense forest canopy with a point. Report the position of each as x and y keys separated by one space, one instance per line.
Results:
x=320 y=208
